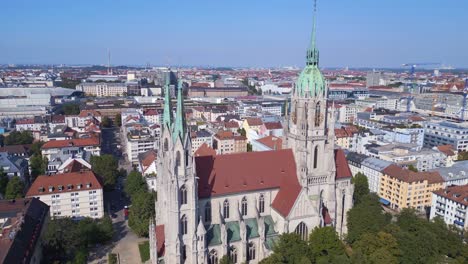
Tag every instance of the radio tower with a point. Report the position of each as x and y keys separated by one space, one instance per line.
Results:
x=109 y=69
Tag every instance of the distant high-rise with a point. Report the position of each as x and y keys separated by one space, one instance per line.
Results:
x=374 y=78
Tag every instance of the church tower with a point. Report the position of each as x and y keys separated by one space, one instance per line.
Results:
x=309 y=136
x=176 y=185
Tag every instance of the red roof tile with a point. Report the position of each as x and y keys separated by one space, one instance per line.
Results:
x=204 y=150
x=79 y=142
x=147 y=158
x=231 y=124
x=458 y=194
x=250 y=171
x=64 y=179
x=273 y=125
x=75 y=166
x=446 y=149
x=409 y=176
x=252 y=121
x=342 y=168
x=160 y=240
x=274 y=143
x=85 y=113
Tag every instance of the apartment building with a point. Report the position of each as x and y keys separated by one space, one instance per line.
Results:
x=102 y=89
x=444 y=132
x=92 y=145
x=457 y=174
x=199 y=138
x=225 y=142
x=75 y=194
x=450 y=204
x=401 y=188
x=138 y=139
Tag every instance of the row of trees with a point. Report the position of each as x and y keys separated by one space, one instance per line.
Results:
x=18 y=138
x=68 y=241
x=142 y=208
x=107 y=122
x=106 y=166
x=375 y=237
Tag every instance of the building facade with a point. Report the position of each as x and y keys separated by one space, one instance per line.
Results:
x=451 y=204
x=442 y=133
x=238 y=204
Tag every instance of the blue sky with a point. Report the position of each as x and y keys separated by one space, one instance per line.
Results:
x=355 y=33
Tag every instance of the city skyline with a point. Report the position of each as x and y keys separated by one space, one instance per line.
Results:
x=239 y=34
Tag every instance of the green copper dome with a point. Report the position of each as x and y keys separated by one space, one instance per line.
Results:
x=311 y=81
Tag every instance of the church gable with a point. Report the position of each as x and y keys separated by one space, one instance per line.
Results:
x=302 y=206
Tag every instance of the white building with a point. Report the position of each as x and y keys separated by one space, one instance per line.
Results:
x=138 y=139
x=76 y=194
x=199 y=138
x=442 y=133
x=147 y=167
x=372 y=168
x=102 y=89
x=91 y=145
x=451 y=204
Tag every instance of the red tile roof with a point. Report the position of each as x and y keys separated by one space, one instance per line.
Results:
x=160 y=240
x=224 y=135
x=58 y=119
x=273 y=125
x=342 y=168
x=204 y=150
x=250 y=171
x=446 y=149
x=85 y=113
x=458 y=194
x=150 y=112
x=25 y=121
x=274 y=143
x=340 y=133
x=42 y=183
x=147 y=158
x=75 y=166
x=79 y=142
x=409 y=176
x=252 y=121
x=231 y=124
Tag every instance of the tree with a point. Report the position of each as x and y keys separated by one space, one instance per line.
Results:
x=69 y=83
x=366 y=217
x=242 y=132
x=71 y=109
x=361 y=187
x=3 y=182
x=380 y=248
x=38 y=165
x=19 y=138
x=326 y=247
x=411 y=167
x=140 y=212
x=225 y=260
x=106 y=167
x=14 y=188
x=249 y=147
x=290 y=248
x=106 y=122
x=135 y=183
x=118 y=120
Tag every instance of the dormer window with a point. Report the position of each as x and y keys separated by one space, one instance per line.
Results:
x=78 y=186
x=88 y=185
x=69 y=187
x=41 y=189
x=51 y=188
x=60 y=187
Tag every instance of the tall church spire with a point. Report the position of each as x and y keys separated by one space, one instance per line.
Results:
x=167 y=114
x=312 y=51
x=179 y=123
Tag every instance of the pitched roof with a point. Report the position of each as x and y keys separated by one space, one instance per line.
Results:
x=274 y=143
x=446 y=149
x=16 y=149
x=160 y=240
x=147 y=158
x=224 y=135
x=342 y=168
x=409 y=176
x=253 y=121
x=458 y=194
x=85 y=113
x=273 y=125
x=75 y=166
x=70 y=182
x=79 y=142
x=340 y=133
x=231 y=124
x=204 y=150
x=250 y=171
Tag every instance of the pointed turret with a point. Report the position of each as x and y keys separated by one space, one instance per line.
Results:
x=312 y=51
x=179 y=123
x=167 y=114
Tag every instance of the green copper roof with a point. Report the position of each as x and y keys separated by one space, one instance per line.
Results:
x=269 y=226
x=271 y=242
x=213 y=235
x=311 y=81
x=167 y=114
x=233 y=231
x=179 y=124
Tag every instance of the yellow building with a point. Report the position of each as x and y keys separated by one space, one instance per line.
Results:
x=402 y=188
x=252 y=125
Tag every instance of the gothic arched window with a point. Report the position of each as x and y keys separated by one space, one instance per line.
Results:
x=244 y=206
x=213 y=257
x=184 y=253
x=183 y=225
x=315 y=157
x=208 y=212
x=177 y=160
x=251 y=252
x=261 y=204
x=226 y=209
x=166 y=145
x=317 y=114
x=302 y=230
x=233 y=254
x=183 y=195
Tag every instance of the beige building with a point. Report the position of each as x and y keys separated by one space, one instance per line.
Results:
x=225 y=142
x=401 y=188
x=103 y=89
x=75 y=194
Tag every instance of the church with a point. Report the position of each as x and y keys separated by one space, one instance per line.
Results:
x=236 y=205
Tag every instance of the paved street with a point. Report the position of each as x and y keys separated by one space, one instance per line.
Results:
x=125 y=242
